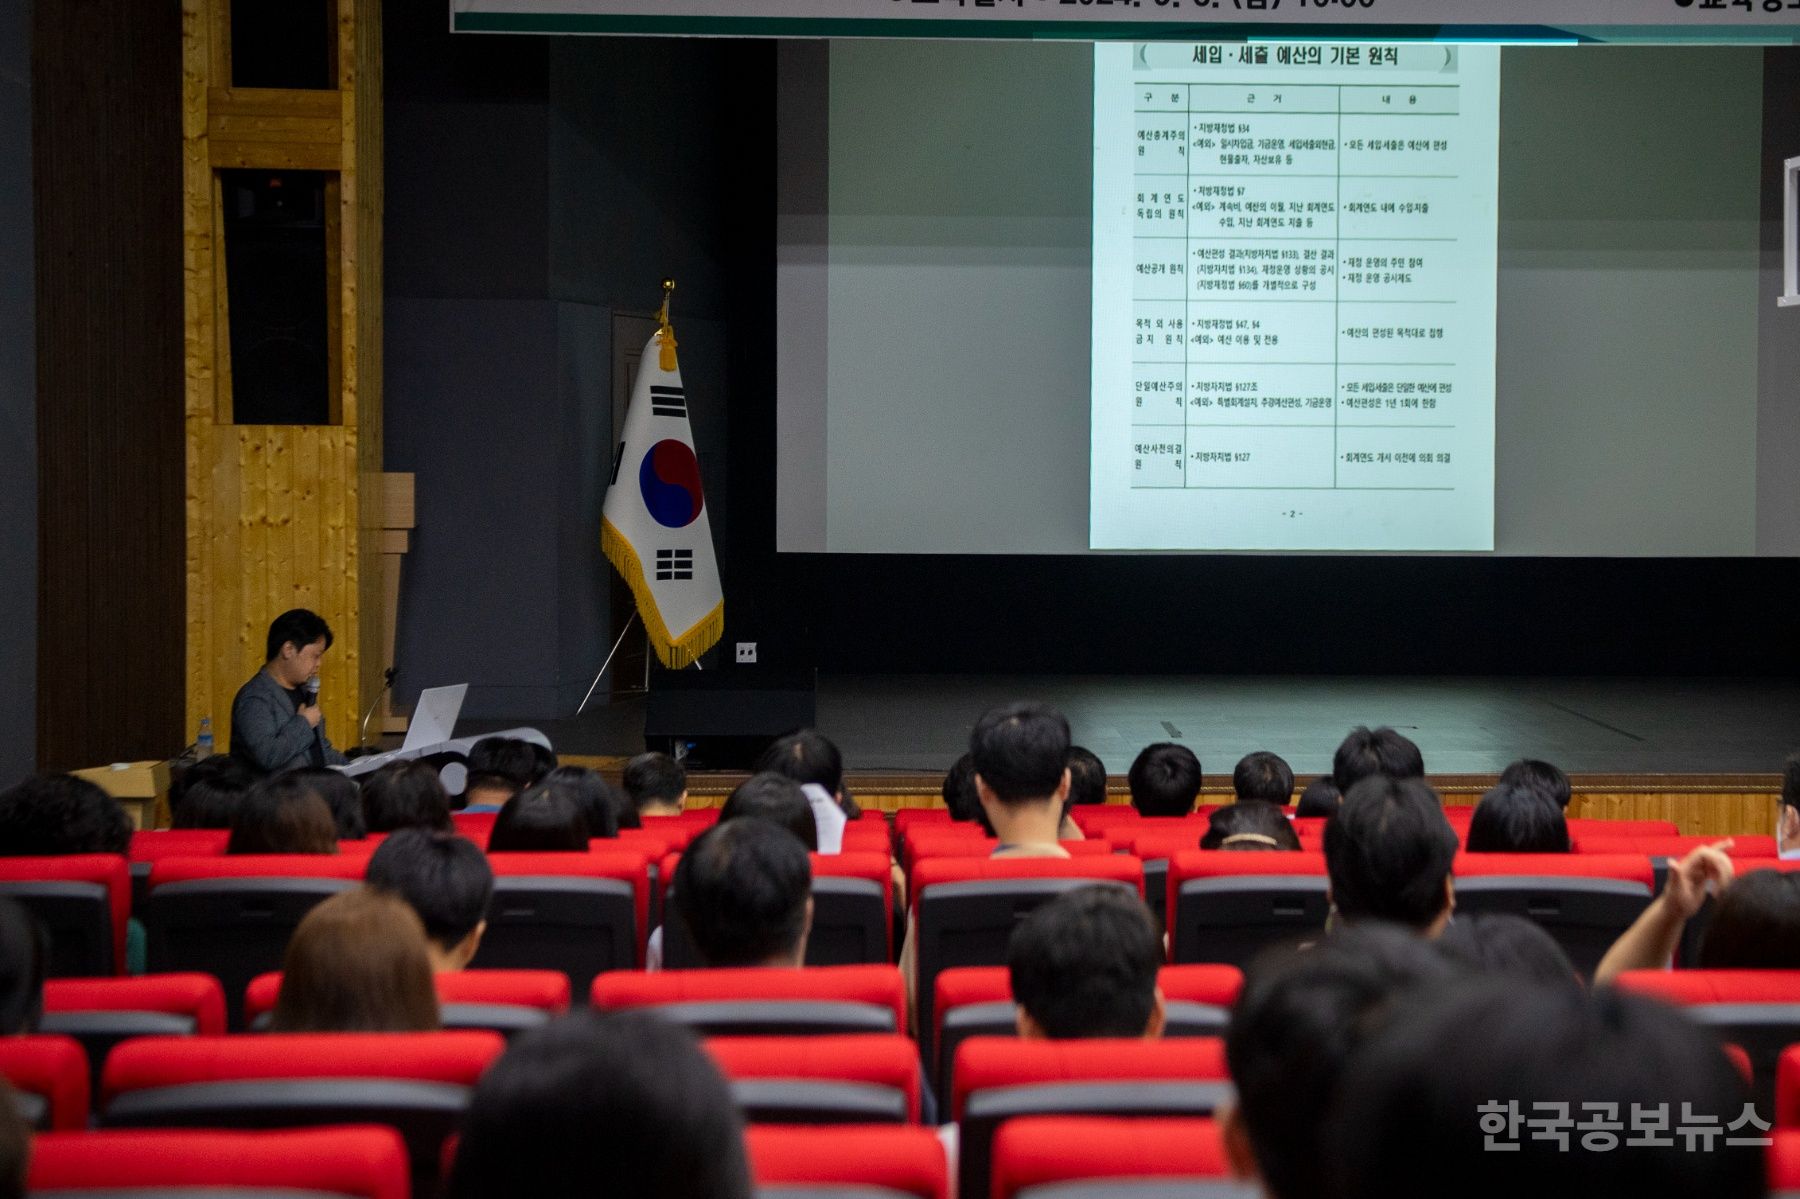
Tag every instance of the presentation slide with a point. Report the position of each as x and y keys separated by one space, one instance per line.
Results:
x=1294 y=296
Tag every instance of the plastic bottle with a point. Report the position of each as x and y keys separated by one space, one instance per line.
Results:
x=203 y=744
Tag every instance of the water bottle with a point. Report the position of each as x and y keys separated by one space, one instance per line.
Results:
x=203 y=744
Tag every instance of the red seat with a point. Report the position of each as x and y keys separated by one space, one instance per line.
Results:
x=1758 y=1011
x=1226 y=906
x=1585 y=901
x=651 y=843
x=902 y=1161
x=149 y=845
x=860 y=837
x=1045 y=1150
x=83 y=901
x=907 y=818
x=853 y=912
x=1673 y=847
x=101 y=1012
x=51 y=1073
x=476 y=826
x=872 y=998
x=1784 y=1160
x=363 y=1162
x=581 y=913
x=871 y=1079
x=464 y=997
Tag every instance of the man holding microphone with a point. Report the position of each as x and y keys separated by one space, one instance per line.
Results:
x=275 y=719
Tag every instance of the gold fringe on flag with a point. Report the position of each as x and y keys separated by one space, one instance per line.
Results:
x=665 y=336
x=672 y=651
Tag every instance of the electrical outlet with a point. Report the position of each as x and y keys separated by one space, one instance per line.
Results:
x=746 y=652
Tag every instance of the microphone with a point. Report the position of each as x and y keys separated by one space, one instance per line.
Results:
x=387 y=683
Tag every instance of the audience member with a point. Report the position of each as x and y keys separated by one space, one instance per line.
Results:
x=777 y=799
x=1263 y=775
x=1382 y=751
x=1320 y=798
x=342 y=796
x=448 y=882
x=1787 y=812
x=539 y=819
x=1650 y=942
x=600 y=802
x=1388 y=852
x=1164 y=780
x=1255 y=824
x=1087 y=777
x=543 y=761
x=15 y=1145
x=276 y=723
x=1533 y=772
x=1021 y=754
x=1755 y=924
x=55 y=815
x=205 y=794
x=623 y=1103
x=358 y=962
x=1508 y=946
x=1517 y=818
x=1084 y=965
x=743 y=890
x=657 y=784
x=24 y=960
x=811 y=759
x=499 y=768
x=283 y=814
x=1427 y=1105
x=406 y=795
x=960 y=796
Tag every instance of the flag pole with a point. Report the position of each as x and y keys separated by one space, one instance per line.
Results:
x=608 y=662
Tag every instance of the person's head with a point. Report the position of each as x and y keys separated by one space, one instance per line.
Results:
x=342 y=796
x=447 y=880
x=1295 y=1023
x=543 y=761
x=624 y=1102
x=1164 y=780
x=960 y=796
x=743 y=889
x=1755 y=924
x=600 y=802
x=1508 y=946
x=283 y=814
x=1546 y=777
x=297 y=640
x=656 y=783
x=1254 y=825
x=1424 y=1106
x=1517 y=818
x=1380 y=751
x=806 y=756
x=24 y=958
x=1084 y=965
x=1087 y=777
x=1021 y=760
x=498 y=768
x=15 y=1145
x=1388 y=852
x=1320 y=798
x=54 y=815
x=777 y=799
x=206 y=793
x=1263 y=775
x=405 y=795
x=358 y=962
x=539 y=820
x=1787 y=812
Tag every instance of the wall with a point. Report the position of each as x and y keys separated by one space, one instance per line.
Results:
x=18 y=391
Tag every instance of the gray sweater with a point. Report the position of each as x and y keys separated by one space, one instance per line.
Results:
x=268 y=732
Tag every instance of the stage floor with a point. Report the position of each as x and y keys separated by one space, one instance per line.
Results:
x=1463 y=725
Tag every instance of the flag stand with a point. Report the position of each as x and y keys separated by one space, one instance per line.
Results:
x=609 y=659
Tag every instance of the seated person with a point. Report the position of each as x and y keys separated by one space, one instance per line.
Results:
x=811 y=759
x=1021 y=753
x=342 y=796
x=1531 y=772
x=1508 y=946
x=623 y=1103
x=743 y=889
x=498 y=769
x=357 y=963
x=777 y=799
x=1320 y=798
x=1517 y=818
x=275 y=719
x=656 y=784
x=1265 y=776
x=283 y=814
x=1787 y=811
x=1084 y=965
x=1426 y=1106
x=1087 y=777
x=601 y=803
x=1754 y=926
x=205 y=794
x=24 y=959
x=1388 y=852
x=1253 y=825
x=56 y=815
x=539 y=820
x=959 y=794
x=405 y=795
x=1164 y=780
x=1381 y=751
x=448 y=882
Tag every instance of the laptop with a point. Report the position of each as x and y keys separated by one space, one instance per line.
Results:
x=434 y=717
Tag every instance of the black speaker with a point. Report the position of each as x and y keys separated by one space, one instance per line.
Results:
x=724 y=718
x=276 y=297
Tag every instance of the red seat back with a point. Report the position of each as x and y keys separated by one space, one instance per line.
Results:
x=983 y=1063
x=879 y=985
x=258 y=865
x=1631 y=868
x=1686 y=988
x=624 y=864
x=1044 y=1150
x=449 y=1057
x=1101 y=867
x=890 y=1061
x=543 y=990
x=198 y=996
x=153 y=846
x=360 y=1161
x=1673 y=847
x=104 y=869
x=476 y=826
x=1787 y=1088
x=1784 y=1159
x=907 y=1161
x=1225 y=863
x=54 y=1068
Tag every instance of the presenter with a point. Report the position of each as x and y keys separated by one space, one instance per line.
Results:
x=275 y=719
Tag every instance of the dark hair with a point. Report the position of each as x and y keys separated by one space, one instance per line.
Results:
x=24 y=959
x=53 y=815
x=1164 y=780
x=1250 y=825
x=1382 y=751
x=1790 y=782
x=959 y=792
x=342 y=796
x=1087 y=777
x=1263 y=775
x=1517 y=818
x=741 y=889
x=1021 y=751
x=1755 y=924
x=205 y=794
x=1388 y=851
x=626 y=1097
x=777 y=799
x=806 y=756
x=600 y=802
x=1431 y=1090
x=543 y=761
x=283 y=814
x=1319 y=798
x=1547 y=778
x=445 y=878
x=1301 y=1013
x=504 y=763
x=15 y=1145
x=405 y=795
x=357 y=963
x=655 y=778
x=1509 y=946
x=539 y=820
x=298 y=626
x=1084 y=964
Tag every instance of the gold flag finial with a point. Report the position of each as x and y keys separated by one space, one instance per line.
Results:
x=665 y=336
